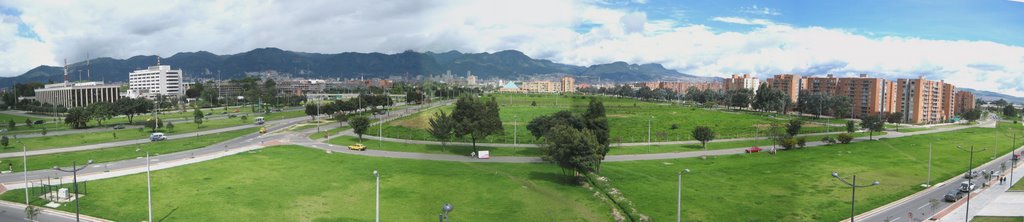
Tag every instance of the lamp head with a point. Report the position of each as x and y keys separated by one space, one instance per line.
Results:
x=875 y=183
x=447 y=207
x=376 y=174
x=54 y=167
x=90 y=162
x=834 y=174
x=687 y=170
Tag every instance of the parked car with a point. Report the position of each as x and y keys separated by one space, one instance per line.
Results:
x=118 y=126
x=953 y=195
x=971 y=175
x=1016 y=156
x=967 y=186
x=752 y=150
x=357 y=146
x=157 y=137
x=37 y=122
x=259 y=120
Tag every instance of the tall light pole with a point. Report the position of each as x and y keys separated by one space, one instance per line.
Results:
x=970 y=177
x=149 y=190
x=679 y=195
x=74 y=170
x=515 y=129
x=929 y=183
x=445 y=209
x=853 y=195
x=649 y=130
x=376 y=212
x=25 y=170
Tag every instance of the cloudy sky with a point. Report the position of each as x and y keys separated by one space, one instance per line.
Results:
x=972 y=43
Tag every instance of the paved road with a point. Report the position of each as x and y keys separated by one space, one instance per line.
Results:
x=146 y=140
x=919 y=207
x=16 y=212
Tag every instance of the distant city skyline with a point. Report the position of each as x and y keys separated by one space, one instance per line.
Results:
x=973 y=44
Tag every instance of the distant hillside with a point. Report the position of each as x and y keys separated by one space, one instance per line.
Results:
x=989 y=96
x=508 y=64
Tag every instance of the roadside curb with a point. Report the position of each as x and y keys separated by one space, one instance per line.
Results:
x=56 y=212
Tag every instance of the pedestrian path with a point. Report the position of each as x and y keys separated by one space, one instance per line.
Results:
x=991 y=201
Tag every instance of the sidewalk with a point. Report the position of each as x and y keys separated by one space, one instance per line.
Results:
x=981 y=200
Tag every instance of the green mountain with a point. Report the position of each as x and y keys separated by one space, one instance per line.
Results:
x=508 y=64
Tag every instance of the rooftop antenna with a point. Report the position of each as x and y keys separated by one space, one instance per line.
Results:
x=88 y=67
x=65 y=70
x=157 y=60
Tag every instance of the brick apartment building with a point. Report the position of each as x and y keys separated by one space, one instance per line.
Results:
x=964 y=102
x=741 y=82
x=789 y=84
x=924 y=101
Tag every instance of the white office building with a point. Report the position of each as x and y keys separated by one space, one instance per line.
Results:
x=156 y=80
x=78 y=94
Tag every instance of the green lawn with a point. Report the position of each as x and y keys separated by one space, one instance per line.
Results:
x=292 y=183
x=629 y=122
x=436 y=149
x=41 y=162
x=997 y=219
x=797 y=185
x=764 y=143
x=1018 y=186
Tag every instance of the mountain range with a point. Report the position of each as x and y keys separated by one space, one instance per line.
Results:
x=508 y=64
x=992 y=96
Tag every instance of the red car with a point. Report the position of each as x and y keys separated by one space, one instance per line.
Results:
x=752 y=150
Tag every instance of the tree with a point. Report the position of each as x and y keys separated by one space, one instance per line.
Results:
x=872 y=124
x=77 y=117
x=793 y=127
x=4 y=141
x=197 y=117
x=11 y=124
x=32 y=212
x=703 y=134
x=170 y=126
x=844 y=138
x=851 y=126
x=895 y=118
x=441 y=127
x=972 y=115
x=311 y=110
x=1009 y=111
x=28 y=122
x=740 y=98
x=154 y=123
x=44 y=131
x=572 y=149
x=597 y=122
x=359 y=125
x=341 y=118
x=101 y=111
x=477 y=119
x=840 y=106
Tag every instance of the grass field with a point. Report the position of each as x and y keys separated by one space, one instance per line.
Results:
x=1018 y=186
x=292 y=183
x=628 y=119
x=435 y=149
x=41 y=162
x=997 y=219
x=797 y=185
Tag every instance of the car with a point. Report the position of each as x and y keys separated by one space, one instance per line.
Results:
x=259 y=120
x=752 y=150
x=357 y=146
x=967 y=187
x=1016 y=156
x=953 y=195
x=37 y=122
x=971 y=175
x=263 y=130
x=157 y=137
x=118 y=126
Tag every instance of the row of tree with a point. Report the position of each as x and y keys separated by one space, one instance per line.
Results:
x=575 y=142
x=363 y=101
x=78 y=117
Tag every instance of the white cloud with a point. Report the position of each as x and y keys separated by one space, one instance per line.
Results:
x=754 y=9
x=543 y=29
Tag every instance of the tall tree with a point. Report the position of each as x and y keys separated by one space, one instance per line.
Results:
x=572 y=149
x=872 y=124
x=895 y=118
x=311 y=110
x=740 y=98
x=197 y=117
x=77 y=117
x=703 y=134
x=441 y=127
x=597 y=123
x=477 y=119
x=851 y=126
x=840 y=106
x=1009 y=111
x=359 y=125
x=972 y=115
x=101 y=111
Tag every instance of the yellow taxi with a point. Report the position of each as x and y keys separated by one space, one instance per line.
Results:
x=263 y=130
x=357 y=146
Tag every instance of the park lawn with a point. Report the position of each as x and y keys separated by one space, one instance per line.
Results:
x=435 y=149
x=797 y=185
x=628 y=123
x=4 y=117
x=1018 y=186
x=764 y=143
x=41 y=162
x=997 y=219
x=292 y=183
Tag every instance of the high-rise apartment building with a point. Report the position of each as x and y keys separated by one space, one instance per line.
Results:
x=741 y=82
x=868 y=96
x=156 y=80
x=921 y=100
x=948 y=103
x=788 y=83
x=964 y=102
x=568 y=84
x=821 y=85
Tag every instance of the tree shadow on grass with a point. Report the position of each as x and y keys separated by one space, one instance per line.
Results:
x=562 y=179
x=168 y=214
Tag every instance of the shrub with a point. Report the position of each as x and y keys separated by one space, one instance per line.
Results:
x=788 y=143
x=674 y=126
x=534 y=103
x=828 y=140
x=801 y=142
x=845 y=138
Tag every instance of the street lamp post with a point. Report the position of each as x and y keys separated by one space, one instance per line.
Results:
x=515 y=129
x=445 y=209
x=24 y=163
x=679 y=195
x=649 y=130
x=929 y=183
x=376 y=212
x=149 y=187
x=74 y=171
x=970 y=165
x=853 y=194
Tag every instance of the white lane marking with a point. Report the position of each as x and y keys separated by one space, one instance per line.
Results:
x=922 y=206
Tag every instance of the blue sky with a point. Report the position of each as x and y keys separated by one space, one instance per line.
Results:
x=999 y=21
x=974 y=44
